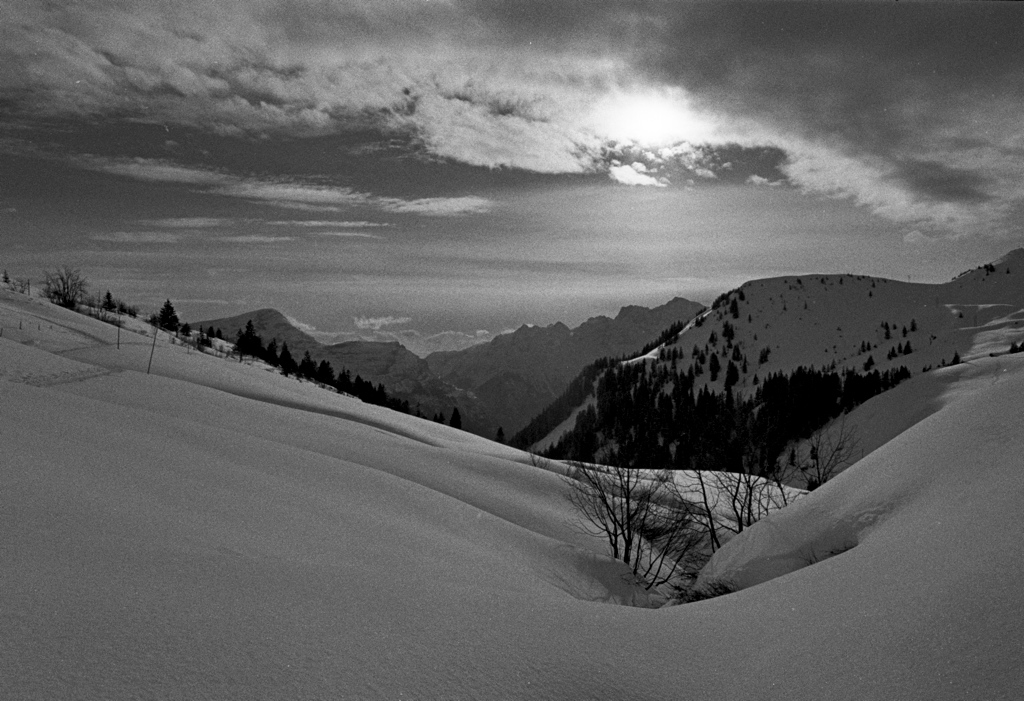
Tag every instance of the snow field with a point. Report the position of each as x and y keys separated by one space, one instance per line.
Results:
x=216 y=531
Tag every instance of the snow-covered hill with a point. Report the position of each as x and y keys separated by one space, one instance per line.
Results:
x=214 y=530
x=818 y=320
x=844 y=322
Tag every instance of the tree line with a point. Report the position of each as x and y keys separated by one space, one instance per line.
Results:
x=652 y=417
x=249 y=343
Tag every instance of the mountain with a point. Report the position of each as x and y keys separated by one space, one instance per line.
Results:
x=516 y=375
x=269 y=324
x=504 y=382
x=835 y=323
x=212 y=530
x=403 y=374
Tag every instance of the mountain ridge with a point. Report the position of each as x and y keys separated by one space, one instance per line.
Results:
x=522 y=371
x=501 y=383
x=841 y=321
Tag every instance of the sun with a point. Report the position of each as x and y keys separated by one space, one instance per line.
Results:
x=650 y=118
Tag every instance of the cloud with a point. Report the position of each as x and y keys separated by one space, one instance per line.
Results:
x=152 y=170
x=187 y=222
x=328 y=223
x=377 y=323
x=140 y=237
x=436 y=206
x=755 y=179
x=942 y=183
x=278 y=192
x=893 y=107
x=632 y=175
x=418 y=342
x=253 y=238
x=916 y=237
x=348 y=234
x=301 y=325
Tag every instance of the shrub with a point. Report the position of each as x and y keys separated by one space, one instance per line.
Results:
x=64 y=286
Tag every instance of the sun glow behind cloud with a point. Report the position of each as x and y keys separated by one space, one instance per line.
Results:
x=651 y=118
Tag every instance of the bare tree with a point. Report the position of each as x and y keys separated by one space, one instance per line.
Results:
x=639 y=515
x=732 y=496
x=826 y=453
x=730 y=502
x=64 y=286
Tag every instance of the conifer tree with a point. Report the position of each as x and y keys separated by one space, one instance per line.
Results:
x=248 y=343
x=287 y=362
x=270 y=353
x=714 y=366
x=325 y=373
x=456 y=420
x=732 y=375
x=168 y=318
x=307 y=368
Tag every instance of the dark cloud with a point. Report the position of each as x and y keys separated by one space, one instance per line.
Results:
x=933 y=180
x=875 y=74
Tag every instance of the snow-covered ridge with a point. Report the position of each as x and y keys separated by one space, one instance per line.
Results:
x=847 y=322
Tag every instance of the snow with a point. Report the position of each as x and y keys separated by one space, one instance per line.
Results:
x=214 y=530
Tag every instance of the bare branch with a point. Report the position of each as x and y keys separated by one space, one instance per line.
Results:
x=65 y=286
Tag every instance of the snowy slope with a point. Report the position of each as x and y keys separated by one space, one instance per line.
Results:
x=213 y=530
x=780 y=324
x=817 y=320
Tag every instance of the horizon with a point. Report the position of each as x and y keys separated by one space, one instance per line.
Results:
x=445 y=172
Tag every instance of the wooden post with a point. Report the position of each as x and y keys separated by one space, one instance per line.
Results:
x=155 y=332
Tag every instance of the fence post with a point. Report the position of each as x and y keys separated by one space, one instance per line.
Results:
x=155 y=332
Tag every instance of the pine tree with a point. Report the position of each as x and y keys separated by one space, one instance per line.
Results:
x=714 y=366
x=270 y=353
x=168 y=318
x=456 y=420
x=325 y=373
x=500 y=437
x=248 y=343
x=307 y=368
x=732 y=375
x=109 y=305
x=287 y=362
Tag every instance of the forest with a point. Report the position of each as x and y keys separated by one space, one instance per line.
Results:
x=646 y=416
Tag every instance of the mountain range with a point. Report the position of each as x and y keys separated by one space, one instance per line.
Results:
x=501 y=383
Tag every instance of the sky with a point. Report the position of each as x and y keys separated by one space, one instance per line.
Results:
x=439 y=171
